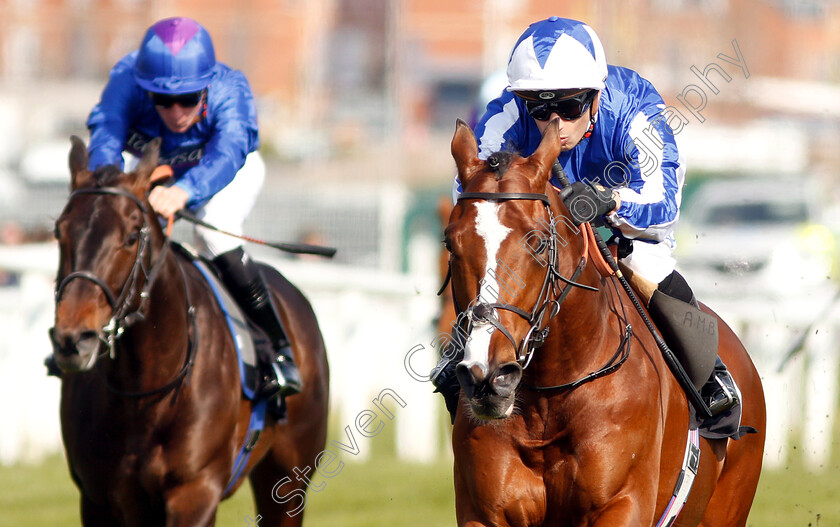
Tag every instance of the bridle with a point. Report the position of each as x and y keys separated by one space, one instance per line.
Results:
x=122 y=317
x=550 y=298
x=548 y=302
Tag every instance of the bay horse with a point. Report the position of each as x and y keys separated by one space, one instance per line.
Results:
x=153 y=413
x=590 y=429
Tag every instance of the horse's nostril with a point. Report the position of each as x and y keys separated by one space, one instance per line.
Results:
x=85 y=335
x=72 y=342
x=507 y=378
x=62 y=342
x=469 y=377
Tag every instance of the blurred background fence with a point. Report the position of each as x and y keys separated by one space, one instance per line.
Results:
x=372 y=313
x=377 y=304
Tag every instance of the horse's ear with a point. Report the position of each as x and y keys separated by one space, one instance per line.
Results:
x=465 y=152
x=148 y=163
x=79 y=173
x=550 y=145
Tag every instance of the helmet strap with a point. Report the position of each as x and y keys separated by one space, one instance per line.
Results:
x=203 y=112
x=591 y=122
x=591 y=127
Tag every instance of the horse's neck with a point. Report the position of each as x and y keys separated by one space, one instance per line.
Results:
x=582 y=336
x=155 y=347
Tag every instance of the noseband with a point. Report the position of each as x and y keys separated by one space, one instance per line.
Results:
x=550 y=298
x=121 y=318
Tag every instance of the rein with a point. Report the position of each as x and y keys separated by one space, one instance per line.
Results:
x=121 y=318
x=614 y=363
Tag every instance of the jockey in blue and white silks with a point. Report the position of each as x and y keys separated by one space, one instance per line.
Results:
x=204 y=112
x=627 y=146
x=616 y=149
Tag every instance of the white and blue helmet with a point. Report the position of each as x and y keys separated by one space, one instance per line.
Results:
x=557 y=54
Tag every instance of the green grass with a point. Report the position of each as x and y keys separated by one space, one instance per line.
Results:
x=387 y=492
x=794 y=498
x=382 y=492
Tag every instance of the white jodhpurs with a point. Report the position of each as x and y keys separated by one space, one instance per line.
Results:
x=229 y=209
x=652 y=261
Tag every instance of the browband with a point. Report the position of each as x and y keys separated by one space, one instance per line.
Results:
x=504 y=196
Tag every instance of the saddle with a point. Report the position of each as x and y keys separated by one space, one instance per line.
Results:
x=689 y=331
x=252 y=344
x=692 y=334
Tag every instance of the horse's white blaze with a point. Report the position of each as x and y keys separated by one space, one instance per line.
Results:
x=490 y=228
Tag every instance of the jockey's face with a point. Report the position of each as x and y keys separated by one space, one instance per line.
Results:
x=179 y=115
x=571 y=132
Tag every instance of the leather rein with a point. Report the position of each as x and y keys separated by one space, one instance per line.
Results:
x=122 y=317
x=548 y=302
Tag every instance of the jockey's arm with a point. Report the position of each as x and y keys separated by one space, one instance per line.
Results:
x=652 y=176
x=110 y=119
x=234 y=137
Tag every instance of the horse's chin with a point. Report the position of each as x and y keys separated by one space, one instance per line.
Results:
x=492 y=408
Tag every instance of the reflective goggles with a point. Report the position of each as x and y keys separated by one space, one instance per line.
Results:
x=568 y=108
x=184 y=100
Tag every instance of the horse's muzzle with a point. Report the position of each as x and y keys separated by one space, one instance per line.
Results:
x=490 y=396
x=74 y=350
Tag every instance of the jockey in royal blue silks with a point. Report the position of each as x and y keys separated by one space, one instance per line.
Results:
x=173 y=88
x=617 y=150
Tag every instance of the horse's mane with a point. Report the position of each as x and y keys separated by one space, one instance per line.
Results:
x=107 y=175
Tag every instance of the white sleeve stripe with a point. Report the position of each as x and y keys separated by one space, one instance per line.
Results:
x=655 y=232
x=495 y=128
x=658 y=231
x=653 y=190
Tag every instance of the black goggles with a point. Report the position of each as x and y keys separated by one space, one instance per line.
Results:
x=568 y=108
x=185 y=100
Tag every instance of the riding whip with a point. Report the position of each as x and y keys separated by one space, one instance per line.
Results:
x=163 y=172
x=296 y=248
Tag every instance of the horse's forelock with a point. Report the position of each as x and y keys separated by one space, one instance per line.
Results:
x=108 y=175
x=498 y=163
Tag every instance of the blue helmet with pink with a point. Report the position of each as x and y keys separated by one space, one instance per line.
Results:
x=175 y=57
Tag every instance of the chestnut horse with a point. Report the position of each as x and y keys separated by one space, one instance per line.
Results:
x=152 y=410
x=590 y=429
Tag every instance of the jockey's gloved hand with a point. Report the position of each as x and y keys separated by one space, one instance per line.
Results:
x=587 y=201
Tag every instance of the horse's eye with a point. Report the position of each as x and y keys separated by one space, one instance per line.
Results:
x=132 y=238
x=447 y=244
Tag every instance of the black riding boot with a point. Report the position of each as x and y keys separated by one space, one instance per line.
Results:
x=720 y=392
x=243 y=278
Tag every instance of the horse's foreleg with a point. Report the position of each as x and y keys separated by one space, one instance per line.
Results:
x=192 y=504
x=280 y=499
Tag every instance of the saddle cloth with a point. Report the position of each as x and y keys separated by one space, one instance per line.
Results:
x=241 y=330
